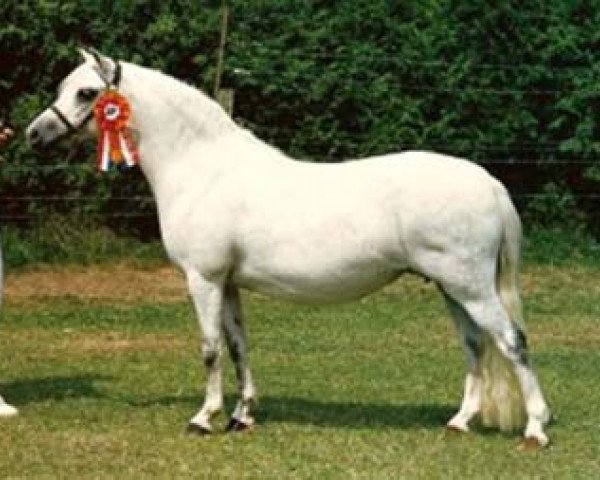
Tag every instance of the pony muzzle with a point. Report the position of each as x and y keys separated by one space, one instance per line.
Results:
x=48 y=129
x=45 y=130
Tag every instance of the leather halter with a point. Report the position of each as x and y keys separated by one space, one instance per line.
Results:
x=67 y=123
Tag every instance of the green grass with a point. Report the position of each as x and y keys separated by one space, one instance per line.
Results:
x=105 y=389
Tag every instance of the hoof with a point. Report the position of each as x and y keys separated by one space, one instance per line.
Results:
x=530 y=444
x=196 y=429
x=236 y=425
x=454 y=430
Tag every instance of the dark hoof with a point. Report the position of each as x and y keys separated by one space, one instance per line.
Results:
x=452 y=430
x=530 y=444
x=198 y=430
x=235 y=425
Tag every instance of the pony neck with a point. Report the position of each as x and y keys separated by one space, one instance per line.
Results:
x=171 y=117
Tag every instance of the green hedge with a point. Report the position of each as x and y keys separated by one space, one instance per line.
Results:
x=513 y=86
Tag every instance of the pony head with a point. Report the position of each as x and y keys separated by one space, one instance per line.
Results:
x=72 y=110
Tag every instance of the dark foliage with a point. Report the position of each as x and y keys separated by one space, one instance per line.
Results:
x=511 y=85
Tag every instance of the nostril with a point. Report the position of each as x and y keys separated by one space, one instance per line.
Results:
x=34 y=136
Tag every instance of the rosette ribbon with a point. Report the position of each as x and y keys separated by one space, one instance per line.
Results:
x=115 y=143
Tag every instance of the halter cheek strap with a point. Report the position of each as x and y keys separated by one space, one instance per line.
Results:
x=65 y=120
x=67 y=123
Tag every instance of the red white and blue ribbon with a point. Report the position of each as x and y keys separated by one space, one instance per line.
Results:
x=115 y=143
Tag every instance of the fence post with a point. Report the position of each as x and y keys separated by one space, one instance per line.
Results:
x=224 y=96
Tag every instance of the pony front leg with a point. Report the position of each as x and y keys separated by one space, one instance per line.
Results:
x=208 y=300
x=235 y=334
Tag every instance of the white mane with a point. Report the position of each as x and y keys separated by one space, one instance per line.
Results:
x=197 y=111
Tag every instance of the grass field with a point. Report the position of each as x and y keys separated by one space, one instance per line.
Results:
x=104 y=365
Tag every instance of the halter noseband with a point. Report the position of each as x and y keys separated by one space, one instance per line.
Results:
x=65 y=121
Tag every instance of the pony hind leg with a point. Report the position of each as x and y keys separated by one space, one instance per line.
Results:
x=235 y=336
x=510 y=341
x=471 y=337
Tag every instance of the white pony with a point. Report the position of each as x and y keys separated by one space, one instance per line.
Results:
x=236 y=213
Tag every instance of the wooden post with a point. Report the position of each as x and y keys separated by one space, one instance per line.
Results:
x=225 y=97
x=221 y=51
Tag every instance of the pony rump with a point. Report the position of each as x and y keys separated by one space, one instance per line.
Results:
x=502 y=403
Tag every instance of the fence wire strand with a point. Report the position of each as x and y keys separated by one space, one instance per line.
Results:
x=539 y=154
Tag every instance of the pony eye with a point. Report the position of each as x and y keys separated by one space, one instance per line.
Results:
x=87 y=94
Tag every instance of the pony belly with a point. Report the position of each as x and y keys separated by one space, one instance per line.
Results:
x=315 y=287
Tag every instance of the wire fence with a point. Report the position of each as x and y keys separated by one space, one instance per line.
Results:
x=149 y=210
x=399 y=58
x=546 y=154
x=145 y=204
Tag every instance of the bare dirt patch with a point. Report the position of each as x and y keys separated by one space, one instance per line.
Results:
x=42 y=344
x=112 y=342
x=118 y=282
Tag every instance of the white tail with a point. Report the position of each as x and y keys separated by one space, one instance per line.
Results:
x=502 y=403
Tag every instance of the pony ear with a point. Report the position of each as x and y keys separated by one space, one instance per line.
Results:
x=86 y=56
x=104 y=65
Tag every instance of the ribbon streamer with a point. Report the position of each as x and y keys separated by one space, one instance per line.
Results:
x=115 y=143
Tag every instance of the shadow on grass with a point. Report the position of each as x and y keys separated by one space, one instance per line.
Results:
x=271 y=409
x=354 y=415
x=324 y=413
x=33 y=390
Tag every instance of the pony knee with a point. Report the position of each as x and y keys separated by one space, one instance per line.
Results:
x=210 y=354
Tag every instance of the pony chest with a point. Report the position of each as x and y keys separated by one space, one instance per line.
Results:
x=197 y=241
